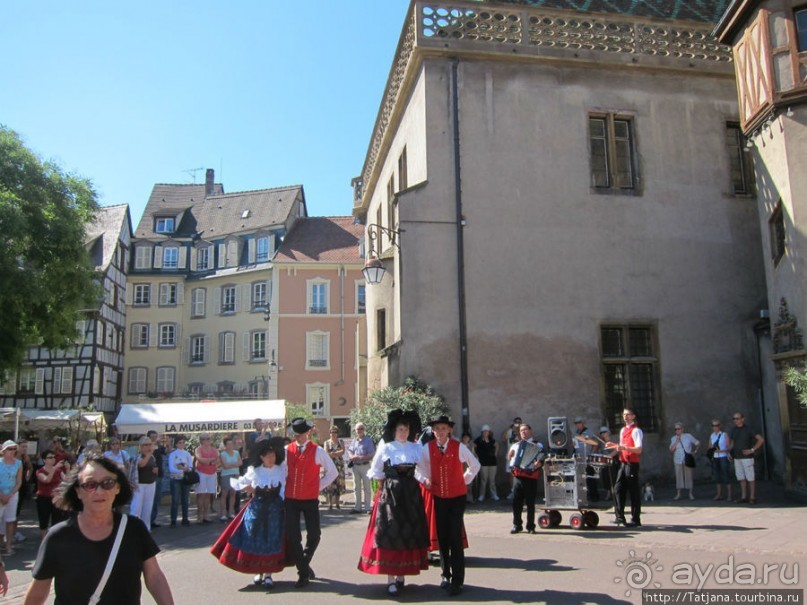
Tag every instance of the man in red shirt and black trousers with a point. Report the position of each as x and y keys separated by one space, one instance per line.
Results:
x=303 y=485
x=627 y=477
x=441 y=464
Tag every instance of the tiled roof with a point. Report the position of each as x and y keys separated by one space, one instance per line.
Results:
x=106 y=227
x=690 y=10
x=219 y=213
x=325 y=239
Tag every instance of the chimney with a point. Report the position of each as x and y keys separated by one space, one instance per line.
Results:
x=209 y=178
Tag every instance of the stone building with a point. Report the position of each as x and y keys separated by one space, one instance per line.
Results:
x=565 y=216
x=770 y=51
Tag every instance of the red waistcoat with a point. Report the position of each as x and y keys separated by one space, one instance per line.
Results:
x=302 y=482
x=447 y=475
x=626 y=439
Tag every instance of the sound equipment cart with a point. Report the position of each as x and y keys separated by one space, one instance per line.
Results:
x=566 y=482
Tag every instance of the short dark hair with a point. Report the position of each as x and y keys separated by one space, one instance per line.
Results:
x=264 y=446
x=66 y=495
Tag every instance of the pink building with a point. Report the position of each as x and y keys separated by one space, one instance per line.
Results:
x=319 y=297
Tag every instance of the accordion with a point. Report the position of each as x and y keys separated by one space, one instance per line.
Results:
x=526 y=455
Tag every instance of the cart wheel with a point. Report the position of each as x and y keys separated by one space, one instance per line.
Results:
x=554 y=518
x=543 y=521
x=576 y=521
x=591 y=518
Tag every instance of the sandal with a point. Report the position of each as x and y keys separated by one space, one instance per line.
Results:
x=752 y=501
x=392 y=589
x=741 y=501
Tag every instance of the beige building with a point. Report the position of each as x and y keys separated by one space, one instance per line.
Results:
x=569 y=222
x=199 y=291
x=770 y=51
x=319 y=291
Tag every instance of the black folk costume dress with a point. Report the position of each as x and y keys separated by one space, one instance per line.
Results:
x=255 y=541
x=397 y=539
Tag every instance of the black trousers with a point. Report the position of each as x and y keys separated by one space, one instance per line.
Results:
x=524 y=491
x=309 y=509
x=449 y=513
x=627 y=481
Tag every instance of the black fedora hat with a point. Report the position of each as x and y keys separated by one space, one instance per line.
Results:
x=300 y=425
x=441 y=420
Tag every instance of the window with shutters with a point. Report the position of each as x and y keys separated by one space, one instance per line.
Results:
x=259 y=296
x=62 y=380
x=168 y=335
x=258 y=346
x=168 y=294
x=140 y=336
x=317 y=344
x=143 y=256
x=263 y=251
x=613 y=162
x=203 y=258
x=137 y=380
x=227 y=347
x=198 y=349
x=170 y=257
x=630 y=373
x=360 y=297
x=166 y=380
x=142 y=295
x=317 y=296
x=318 y=395
x=31 y=381
x=228 y=299
x=198 y=296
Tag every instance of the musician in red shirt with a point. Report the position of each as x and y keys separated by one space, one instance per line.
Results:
x=627 y=477
x=525 y=480
x=441 y=464
x=304 y=459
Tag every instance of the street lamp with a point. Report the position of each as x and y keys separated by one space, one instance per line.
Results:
x=373 y=269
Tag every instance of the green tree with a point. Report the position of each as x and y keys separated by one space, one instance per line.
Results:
x=45 y=271
x=798 y=380
x=413 y=395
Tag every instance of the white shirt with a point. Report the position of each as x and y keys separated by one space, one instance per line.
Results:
x=175 y=458
x=121 y=458
x=263 y=477
x=689 y=443
x=397 y=453
x=465 y=456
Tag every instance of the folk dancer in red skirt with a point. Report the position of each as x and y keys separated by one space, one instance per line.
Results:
x=255 y=541
x=397 y=540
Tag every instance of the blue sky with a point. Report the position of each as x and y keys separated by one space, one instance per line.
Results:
x=267 y=93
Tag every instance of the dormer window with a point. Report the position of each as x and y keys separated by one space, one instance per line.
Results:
x=164 y=224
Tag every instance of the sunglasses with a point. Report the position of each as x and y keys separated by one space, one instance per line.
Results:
x=10 y=449
x=49 y=457
x=106 y=485
x=715 y=425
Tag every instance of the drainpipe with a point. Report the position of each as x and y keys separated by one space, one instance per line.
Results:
x=762 y=327
x=460 y=224
x=341 y=326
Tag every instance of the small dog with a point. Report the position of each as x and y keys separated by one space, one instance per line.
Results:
x=649 y=494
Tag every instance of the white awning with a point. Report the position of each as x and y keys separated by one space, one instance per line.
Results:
x=198 y=417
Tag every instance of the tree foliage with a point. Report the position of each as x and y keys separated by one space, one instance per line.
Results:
x=798 y=380
x=45 y=271
x=413 y=395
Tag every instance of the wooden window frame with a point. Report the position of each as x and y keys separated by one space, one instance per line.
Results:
x=610 y=140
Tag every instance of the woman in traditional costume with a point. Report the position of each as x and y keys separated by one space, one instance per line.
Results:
x=397 y=539
x=255 y=541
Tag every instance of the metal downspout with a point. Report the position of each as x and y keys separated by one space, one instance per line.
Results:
x=460 y=223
